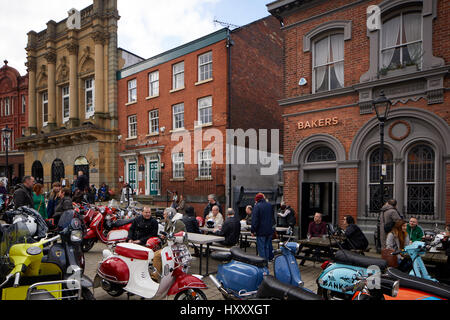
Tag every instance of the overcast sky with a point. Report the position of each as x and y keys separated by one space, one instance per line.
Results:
x=146 y=27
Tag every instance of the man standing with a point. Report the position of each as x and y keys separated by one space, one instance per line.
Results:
x=317 y=228
x=23 y=196
x=415 y=232
x=143 y=228
x=287 y=216
x=388 y=217
x=231 y=230
x=211 y=203
x=262 y=226
x=82 y=181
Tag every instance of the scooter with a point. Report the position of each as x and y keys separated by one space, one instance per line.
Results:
x=40 y=271
x=106 y=228
x=128 y=270
x=242 y=275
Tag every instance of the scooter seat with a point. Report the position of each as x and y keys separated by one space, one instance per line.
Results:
x=239 y=255
x=354 y=259
x=271 y=288
x=133 y=251
x=122 y=222
x=221 y=256
x=415 y=283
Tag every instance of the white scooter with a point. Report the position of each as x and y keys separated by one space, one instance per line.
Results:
x=128 y=270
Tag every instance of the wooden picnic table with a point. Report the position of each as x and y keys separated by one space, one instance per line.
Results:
x=435 y=257
x=317 y=249
x=204 y=239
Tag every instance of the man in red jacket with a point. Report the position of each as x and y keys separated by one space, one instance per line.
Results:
x=317 y=228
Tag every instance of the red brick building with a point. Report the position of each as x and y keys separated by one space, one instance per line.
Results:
x=339 y=55
x=13 y=113
x=212 y=84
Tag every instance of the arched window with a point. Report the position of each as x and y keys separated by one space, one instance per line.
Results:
x=328 y=63
x=58 y=171
x=420 y=180
x=321 y=154
x=81 y=164
x=37 y=171
x=375 y=202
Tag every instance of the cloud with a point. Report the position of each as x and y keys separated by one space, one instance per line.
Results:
x=146 y=27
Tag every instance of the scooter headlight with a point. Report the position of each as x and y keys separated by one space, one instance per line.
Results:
x=76 y=236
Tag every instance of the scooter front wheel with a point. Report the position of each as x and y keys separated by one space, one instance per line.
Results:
x=191 y=294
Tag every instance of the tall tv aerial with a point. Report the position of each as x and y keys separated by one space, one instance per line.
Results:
x=225 y=24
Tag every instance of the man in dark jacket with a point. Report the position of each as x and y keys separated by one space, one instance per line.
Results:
x=355 y=238
x=23 y=196
x=82 y=181
x=262 y=226
x=287 y=216
x=189 y=221
x=64 y=204
x=212 y=201
x=231 y=230
x=143 y=228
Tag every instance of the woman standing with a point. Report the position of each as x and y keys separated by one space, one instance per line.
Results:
x=181 y=205
x=396 y=240
x=39 y=200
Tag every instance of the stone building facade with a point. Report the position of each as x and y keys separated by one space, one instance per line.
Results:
x=13 y=111
x=72 y=97
x=339 y=55
x=209 y=85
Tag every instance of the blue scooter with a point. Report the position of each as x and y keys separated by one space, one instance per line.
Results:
x=242 y=274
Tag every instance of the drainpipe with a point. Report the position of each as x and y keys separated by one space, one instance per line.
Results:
x=229 y=45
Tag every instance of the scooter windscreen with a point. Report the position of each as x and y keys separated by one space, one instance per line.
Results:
x=13 y=234
x=66 y=219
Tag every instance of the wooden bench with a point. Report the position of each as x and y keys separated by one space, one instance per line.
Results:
x=212 y=247
x=251 y=239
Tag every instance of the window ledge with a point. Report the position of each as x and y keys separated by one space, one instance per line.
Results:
x=203 y=125
x=177 y=180
x=178 y=130
x=204 y=81
x=204 y=179
x=176 y=90
x=130 y=103
x=131 y=138
x=152 y=97
x=152 y=134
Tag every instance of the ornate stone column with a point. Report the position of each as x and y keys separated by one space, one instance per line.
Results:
x=32 y=106
x=74 y=120
x=50 y=56
x=99 y=40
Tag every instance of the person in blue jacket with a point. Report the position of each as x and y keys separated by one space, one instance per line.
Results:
x=263 y=226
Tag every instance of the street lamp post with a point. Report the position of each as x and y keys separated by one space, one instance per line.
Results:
x=382 y=106
x=6 y=138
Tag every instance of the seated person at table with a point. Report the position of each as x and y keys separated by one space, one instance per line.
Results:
x=317 y=228
x=231 y=230
x=190 y=221
x=355 y=238
x=215 y=216
x=415 y=232
x=143 y=228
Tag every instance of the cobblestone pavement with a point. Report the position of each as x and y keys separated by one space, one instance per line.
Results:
x=309 y=274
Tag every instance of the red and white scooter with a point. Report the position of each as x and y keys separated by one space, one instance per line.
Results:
x=127 y=270
x=105 y=227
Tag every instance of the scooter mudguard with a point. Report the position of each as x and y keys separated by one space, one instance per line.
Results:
x=90 y=234
x=410 y=294
x=241 y=277
x=185 y=281
x=286 y=270
x=337 y=276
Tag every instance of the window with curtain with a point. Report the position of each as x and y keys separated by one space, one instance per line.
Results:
x=401 y=40
x=420 y=180
x=329 y=63
x=375 y=203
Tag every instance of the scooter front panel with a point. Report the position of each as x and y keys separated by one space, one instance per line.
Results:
x=337 y=276
x=239 y=276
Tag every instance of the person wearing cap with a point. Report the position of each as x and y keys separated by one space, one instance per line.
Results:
x=262 y=226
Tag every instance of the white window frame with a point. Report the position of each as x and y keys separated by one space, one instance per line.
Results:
x=153 y=83
x=132 y=126
x=153 y=121
x=202 y=65
x=90 y=111
x=24 y=104
x=7 y=106
x=401 y=45
x=203 y=107
x=44 y=103
x=204 y=163
x=65 y=97
x=178 y=165
x=132 y=90
x=178 y=74
x=328 y=64
x=176 y=113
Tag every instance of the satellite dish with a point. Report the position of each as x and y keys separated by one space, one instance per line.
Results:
x=302 y=82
